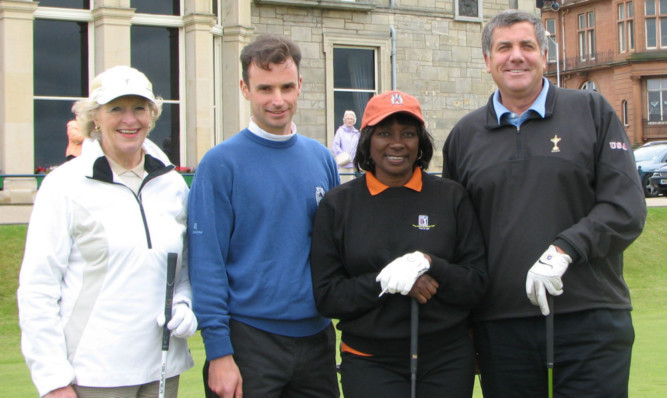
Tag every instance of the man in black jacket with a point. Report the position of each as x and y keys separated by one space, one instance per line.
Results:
x=553 y=180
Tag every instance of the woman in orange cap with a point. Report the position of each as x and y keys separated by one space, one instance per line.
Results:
x=394 y=235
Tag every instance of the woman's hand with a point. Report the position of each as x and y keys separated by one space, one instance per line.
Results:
x=424 y=288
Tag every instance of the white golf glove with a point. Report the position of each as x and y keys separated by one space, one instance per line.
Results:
x=183 y=323
x=545 y=275
x=399 y=275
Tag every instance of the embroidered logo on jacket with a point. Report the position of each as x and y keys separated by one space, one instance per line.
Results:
x=555 y=140
x=422 y=223
x=319 y=194
x=618 y=145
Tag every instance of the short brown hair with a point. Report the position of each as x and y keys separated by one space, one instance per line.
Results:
x=268 y=49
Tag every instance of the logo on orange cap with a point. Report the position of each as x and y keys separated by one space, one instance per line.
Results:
x=386 y=104
x=396 y=99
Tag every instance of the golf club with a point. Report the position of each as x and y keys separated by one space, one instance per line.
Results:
x=171 y=276
x=550 y=345
x=414 y=350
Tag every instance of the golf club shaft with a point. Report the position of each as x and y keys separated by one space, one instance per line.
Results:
x=414 y=349
x=550 y=345
x=172 y=259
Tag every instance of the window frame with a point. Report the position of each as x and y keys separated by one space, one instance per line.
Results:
x=662 y=93
x=658 y=20
x=586 y=35
x=382 y=49
x=589 y=85
x=621 y=14
x=154 y=20
x=467 y=18
x=172 y=21
x=552 y=57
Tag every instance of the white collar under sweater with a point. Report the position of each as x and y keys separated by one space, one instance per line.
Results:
x=258 y=131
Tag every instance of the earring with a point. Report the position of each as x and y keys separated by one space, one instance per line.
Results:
x=420 y=154
x=97 y=128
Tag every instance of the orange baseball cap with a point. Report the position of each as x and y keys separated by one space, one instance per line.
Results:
x=388 y=103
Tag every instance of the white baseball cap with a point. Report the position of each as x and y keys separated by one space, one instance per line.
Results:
x=119 y=81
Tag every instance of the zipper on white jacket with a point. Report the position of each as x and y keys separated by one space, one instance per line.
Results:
x=143 y=218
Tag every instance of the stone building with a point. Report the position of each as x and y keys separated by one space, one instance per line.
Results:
x=50 y=50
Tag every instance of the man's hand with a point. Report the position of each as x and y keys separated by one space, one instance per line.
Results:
x=424 y=289
x=545 y=276
x=224 y=377
x=399 y=275
x=183 y=323
x=64 y=392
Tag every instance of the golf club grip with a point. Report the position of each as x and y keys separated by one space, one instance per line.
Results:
x=414 y=336
x=550 y=332
x=172 y=259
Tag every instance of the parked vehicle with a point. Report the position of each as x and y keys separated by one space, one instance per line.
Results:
x=650 y=157
x=659 y=180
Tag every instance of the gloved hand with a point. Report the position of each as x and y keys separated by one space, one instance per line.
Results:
x=183 y=323
x=545 y=275
x=399 y=275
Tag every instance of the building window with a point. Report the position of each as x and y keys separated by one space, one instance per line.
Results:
x=589 y=85
x=78 y=4
x=164 y=7
x=550 y=26
x=356 y=69
x=657 y=100
x=154 y=51
x=656 y=23
x=57 y=85
x=626 y=118
x=586 y=35
x=631 y=25
x=354 y=79
x=626 y=27
x=468 y=10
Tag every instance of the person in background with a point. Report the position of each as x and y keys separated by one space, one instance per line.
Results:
x=552 y=177
x=74 y=140
x=393 y=235
x=344 y=145
x=251 y=212
x=92 y=283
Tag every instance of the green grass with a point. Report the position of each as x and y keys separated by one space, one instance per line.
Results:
x=644 y=272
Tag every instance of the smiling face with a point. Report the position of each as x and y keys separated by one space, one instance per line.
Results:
x=124 y=124
x=516 y=64
x=393 y=148
x=273 y=95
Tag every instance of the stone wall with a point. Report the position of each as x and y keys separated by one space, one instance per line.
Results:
x=438 y=58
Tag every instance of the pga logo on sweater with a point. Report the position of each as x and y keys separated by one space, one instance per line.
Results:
x=422 y=223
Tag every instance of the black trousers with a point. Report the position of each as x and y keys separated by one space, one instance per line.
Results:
x=275 y=366
x=592 y=351
x=446 y=372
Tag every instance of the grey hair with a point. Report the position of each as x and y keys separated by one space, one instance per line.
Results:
x=508 y=18
x=351 y=114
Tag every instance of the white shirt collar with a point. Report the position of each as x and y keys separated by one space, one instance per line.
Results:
x=258 y=131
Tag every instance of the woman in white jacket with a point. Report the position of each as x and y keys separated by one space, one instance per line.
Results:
x=92 y=282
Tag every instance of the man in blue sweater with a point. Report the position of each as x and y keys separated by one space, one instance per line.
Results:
x=251 y=209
